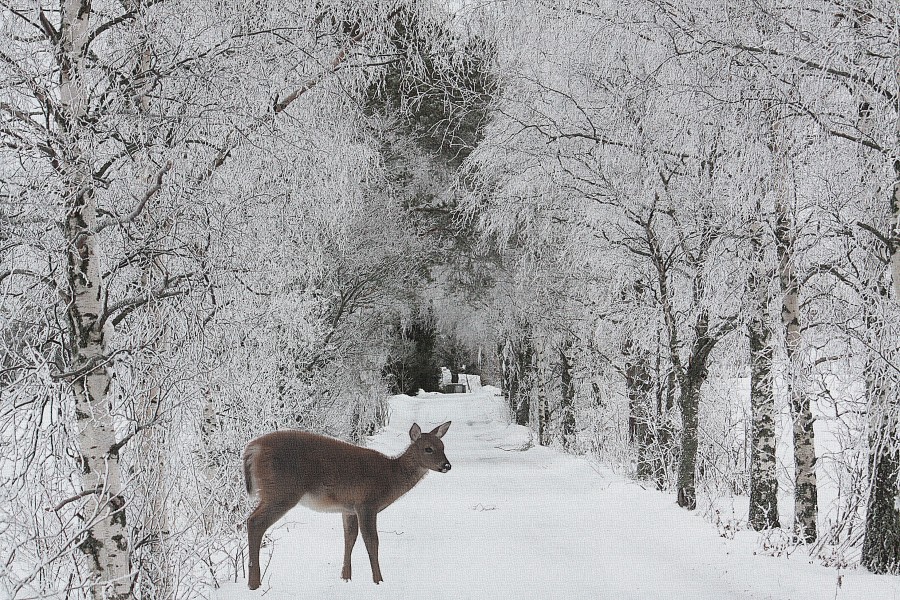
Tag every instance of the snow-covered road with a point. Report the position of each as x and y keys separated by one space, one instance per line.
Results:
x=535 y=524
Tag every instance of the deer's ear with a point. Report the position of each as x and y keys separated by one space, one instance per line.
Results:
x=415 y=432
x=440 y=430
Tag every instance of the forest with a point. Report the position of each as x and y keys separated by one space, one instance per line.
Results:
x=668 y=231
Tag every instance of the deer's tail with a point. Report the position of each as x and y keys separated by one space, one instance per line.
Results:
x=249 y=456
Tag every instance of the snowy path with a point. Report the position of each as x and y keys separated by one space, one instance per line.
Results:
x=506 y=524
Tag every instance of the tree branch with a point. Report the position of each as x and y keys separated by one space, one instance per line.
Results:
x=59 y=505
x=170 y=288
x=142 y=202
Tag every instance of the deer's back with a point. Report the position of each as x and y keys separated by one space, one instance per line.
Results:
x=320 y=472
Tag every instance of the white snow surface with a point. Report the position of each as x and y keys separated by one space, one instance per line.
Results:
x=511 y=521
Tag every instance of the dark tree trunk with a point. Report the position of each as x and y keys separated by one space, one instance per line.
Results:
x=523 y=409
x=505 y=367
x=639 y=386
x=665 y=450
x=515 y=364
x=690 y=377
x=543 y=418
x=689 y=402
x=539 y=387
x=881 y=545
x=596 y=396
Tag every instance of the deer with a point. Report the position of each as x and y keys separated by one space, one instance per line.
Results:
x=290 y=467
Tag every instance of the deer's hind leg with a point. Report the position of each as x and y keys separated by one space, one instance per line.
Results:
x=257 y=523
x=351 y=530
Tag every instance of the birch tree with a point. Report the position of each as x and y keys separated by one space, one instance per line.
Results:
x=127 y=118
x=838 y=78
x=598 y=148
x=763 y=512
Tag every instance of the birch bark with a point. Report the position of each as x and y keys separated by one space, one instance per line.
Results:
x=542 y=404
x=763 y=481
x=105 y=540
x=806 y=507
x=106 y=536
x=567 y=395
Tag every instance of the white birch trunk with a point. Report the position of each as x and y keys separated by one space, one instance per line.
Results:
x=209 y=428
x=541 y=407
x=806 y=508
x=763 y=513
x=106 y=537
x=106 y=540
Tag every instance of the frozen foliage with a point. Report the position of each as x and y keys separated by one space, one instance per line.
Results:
x=666 y=229
x=686 y=193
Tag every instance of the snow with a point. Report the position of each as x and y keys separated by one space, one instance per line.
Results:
x=516 y=521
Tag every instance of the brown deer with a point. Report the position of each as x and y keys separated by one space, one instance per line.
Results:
x=286 y=468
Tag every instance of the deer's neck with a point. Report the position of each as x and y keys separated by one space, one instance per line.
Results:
x=407 y=471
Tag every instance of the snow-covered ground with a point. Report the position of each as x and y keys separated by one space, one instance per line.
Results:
x=515 y=523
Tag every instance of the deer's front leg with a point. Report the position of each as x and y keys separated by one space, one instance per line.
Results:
x=351 y=529
x=368 y=526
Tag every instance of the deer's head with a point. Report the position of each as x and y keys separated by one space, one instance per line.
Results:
x=428 y=447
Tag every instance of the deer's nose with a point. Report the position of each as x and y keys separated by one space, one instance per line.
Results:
x=445 y=468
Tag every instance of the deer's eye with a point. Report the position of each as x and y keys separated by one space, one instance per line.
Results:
x=429 y=450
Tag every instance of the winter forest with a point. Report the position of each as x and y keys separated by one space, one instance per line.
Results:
x=666 y=231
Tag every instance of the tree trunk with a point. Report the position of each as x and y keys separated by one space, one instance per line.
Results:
x=516 y=358
x=596 y=396
x=209 y=441
x=106 y=535
x=763 y=480
x=153 y=449
x=639 y=386
x=155 y=573
x=881 y=545
x=805 y=489
x=105 y=540
x=763 y=465
x=542 y=408
x=690 y=378
x=567 y=397
x=689 y=403
x=665 y=430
